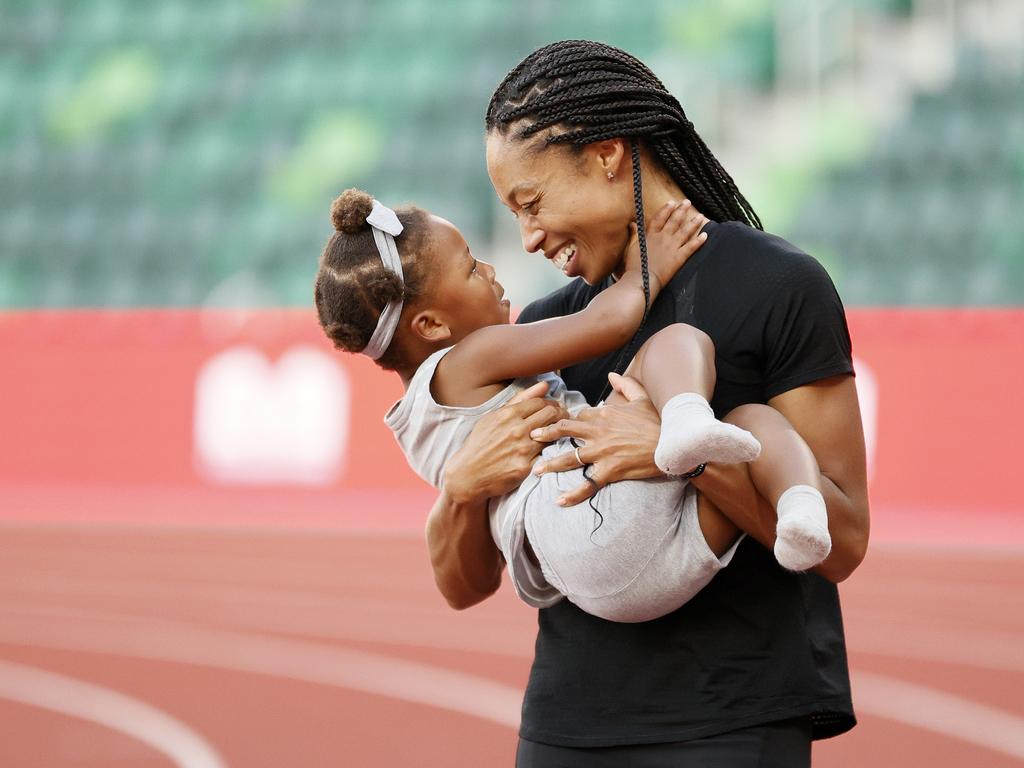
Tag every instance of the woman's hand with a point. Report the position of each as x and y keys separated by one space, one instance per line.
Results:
x=620 y=439
x=495 y=459
x=673 y=235
x=499 y=452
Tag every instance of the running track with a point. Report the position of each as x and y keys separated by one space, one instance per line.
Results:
x=204 y=646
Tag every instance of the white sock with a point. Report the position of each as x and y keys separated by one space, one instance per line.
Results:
x=802 y=539
x=691 y=435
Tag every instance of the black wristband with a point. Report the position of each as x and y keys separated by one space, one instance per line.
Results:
x=695 y=473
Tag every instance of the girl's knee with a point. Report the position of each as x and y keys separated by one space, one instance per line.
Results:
x=683 y=335
x=752 y=414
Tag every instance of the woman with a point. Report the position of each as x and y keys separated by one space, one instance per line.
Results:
x=581 y=139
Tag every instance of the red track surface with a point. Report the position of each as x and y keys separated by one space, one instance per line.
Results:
x=331 y=648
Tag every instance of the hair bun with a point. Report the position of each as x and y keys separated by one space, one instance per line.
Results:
x=350 y=209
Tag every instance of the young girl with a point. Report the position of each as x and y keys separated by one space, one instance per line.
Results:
x=405 y=290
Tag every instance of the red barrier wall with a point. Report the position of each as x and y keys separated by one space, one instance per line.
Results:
x=108 y=400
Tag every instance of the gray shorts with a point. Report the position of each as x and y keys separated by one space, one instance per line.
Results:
x=642 y=558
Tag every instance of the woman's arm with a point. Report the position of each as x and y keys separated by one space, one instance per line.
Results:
x=605 y=324
x=467 y=566
x=621 y=439
x=495 y=459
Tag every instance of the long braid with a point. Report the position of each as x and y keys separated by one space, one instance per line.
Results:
x=589 y=92
x=641 y=229
x=674 y=159
x=582 y=92
x=627 y=352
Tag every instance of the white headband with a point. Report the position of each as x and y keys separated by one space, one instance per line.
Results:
x=386 y=227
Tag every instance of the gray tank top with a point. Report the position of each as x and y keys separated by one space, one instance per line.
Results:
x=429 y=433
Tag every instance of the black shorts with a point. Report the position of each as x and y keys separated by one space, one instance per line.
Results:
x=786 y=744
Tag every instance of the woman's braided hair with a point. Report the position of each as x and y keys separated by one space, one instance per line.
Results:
x=581 y=92
x=590 y=92
x=352 y=284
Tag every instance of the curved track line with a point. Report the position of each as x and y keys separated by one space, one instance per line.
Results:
x=31 y=587
x=295 y=613
x=998 y=651
x=444 y=629
x=884 y=697
x=305 y=661
x=113 y=710
x=941 y=712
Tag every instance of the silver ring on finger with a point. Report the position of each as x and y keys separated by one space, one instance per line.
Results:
x=579 y=458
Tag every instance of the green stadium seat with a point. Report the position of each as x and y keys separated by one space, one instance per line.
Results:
x=163 y=203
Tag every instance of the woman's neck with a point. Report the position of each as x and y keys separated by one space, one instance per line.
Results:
x=658 y=189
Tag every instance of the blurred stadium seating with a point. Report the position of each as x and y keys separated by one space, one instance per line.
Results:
x=183 y=153
x=932 y=215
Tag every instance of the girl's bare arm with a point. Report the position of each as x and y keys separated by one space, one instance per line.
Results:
x=502 y=352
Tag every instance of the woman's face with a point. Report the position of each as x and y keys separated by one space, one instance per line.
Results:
x=567 y=207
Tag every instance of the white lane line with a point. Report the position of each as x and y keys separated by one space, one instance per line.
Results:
x=304 y=661
x=925 y=708
x=358 y=619
x=293 y=612
x=1000 y=651
x=940 y=712
x=66 y=695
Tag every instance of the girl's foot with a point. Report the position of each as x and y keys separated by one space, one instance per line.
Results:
x=802 y=539
x=691 y=435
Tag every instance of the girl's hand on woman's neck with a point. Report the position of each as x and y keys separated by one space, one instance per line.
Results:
x=658 y=189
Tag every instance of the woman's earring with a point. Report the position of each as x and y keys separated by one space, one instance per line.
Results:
x=611 y=175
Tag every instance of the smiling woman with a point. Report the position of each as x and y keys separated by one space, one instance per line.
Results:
x=651 y=549
x=458 y=357
x=568 y=201
x=583 y=142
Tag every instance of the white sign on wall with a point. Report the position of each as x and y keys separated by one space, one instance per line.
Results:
x=263 y=423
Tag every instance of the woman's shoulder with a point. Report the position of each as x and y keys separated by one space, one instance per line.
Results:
x=762 y=260
x=743 y=242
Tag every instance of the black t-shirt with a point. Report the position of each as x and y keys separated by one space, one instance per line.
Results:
x=758 y=644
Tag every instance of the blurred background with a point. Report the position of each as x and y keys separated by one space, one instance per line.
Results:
x=185 y=153
x=208 y=537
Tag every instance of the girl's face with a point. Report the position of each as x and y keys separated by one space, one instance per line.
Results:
x=463 y=291
x=567 y=207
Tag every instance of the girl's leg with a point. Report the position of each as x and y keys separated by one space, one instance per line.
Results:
x=677 y=368
x=787 y=474
x=719 y=531
x=678 y=358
